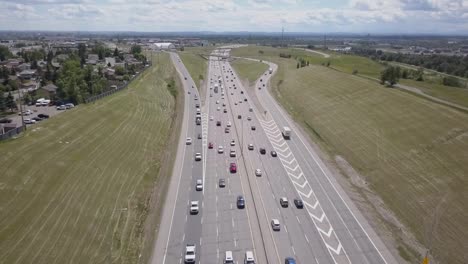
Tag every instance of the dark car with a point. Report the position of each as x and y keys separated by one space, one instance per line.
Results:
x=299 y=204
x=273 y=153
x=5 y=120
x=245 y=99
x=43 y=115
x=210 y=145
x=240 y=202
x=239 y=117
x=222 y=183
x=218 y=123
x=253 y=127
x=199 y=136
x=37 y=119
x=262 y=151
x=289 y=260
x=242 y=92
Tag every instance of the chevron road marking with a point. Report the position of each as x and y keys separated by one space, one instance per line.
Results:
x=272 y=131
x=279 y=146
x=306 y=195
x=320 y=219
x=283 y=150
x=276 y=140
x=301 y=185
x=311 y=206
x=296 y=177
x=295 y=168
x=288 y=162
x=287 y=156
x=337 y=250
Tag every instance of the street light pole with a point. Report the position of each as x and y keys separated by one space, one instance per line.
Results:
x=21 y=109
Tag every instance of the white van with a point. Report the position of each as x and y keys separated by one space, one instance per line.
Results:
x=228 y=259
x=249 y=258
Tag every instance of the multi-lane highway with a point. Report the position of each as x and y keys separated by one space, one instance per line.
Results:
x=328 y=229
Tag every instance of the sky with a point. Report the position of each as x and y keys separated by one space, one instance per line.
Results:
x=351 y=16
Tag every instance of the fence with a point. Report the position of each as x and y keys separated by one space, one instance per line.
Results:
x=107 y=93
x=11 y=133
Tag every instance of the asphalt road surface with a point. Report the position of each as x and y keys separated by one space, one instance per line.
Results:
x=329 y=229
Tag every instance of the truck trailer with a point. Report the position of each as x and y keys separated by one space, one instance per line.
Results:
x=286 y=132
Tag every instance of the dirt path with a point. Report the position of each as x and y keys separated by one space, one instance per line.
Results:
x=317 y=52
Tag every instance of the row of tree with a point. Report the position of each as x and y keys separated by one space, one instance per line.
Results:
x=454 y=65
x=7 y=103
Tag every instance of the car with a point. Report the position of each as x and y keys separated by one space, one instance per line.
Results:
x=228 y=259
x=188 y=141
x=239 y=116
x=199 y=136
x=29 y=121
x=258 y=172
x=289 y=260
x=5 y=121
x=220 y=149
x=210 y=145
x=275 y=225
x=284 y=202
x=245 y=99
x=249 y=258
x=250 y=147
x=228 y=124
x=233 y=167
x=194 y=207
x=217 y=102
x=253 y=128
x=261 y=80
x=222 y=183
x=218 y=123
x=43 y=115
x=69 y=105
x=227 y=130
x=211 y=118
x=61 y=107
x=185 y=78
x=263 y=85
x=218 y=108
x=190 y=253
x=233 y=143
x=250 y=109
x=197 y=156
x=199 y=185
x=225 y=111
x=262 y=151
x=37 y=119
x=249 y=118
x=232 y=153
x=299 y=204
x=242 y=92
x=224 y=104
x=26 y=112
x=240 y=202
x=273 y=153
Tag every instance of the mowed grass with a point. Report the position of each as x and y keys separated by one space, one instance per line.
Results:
x=76 y=188
x=250 y=70
x=411 y=151
x=451 y=94
x=196 y=65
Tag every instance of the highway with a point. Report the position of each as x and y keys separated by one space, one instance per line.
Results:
x=328 y=229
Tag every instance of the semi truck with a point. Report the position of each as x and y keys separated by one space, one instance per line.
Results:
x=270 y=70
x=286 y=132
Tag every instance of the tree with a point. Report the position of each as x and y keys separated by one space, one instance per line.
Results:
x=451 y=81
x=119 y=70
x=5 y=53
x=116 y=52
x=13 y=85
x=10 y=102
x=391 y=75
x=2 y=101
x=82 y=53
x=404 y=74
x=298 y=65
x=50 y=56
x=135 y=49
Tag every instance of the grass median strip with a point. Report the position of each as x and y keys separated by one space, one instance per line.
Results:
x=75 y=188
x=250 y=70
x=410 y=151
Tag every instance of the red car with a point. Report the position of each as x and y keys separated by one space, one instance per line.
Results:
x=210 y=145
x=233 y=167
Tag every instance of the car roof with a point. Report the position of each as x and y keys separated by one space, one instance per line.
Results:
x=275 y=221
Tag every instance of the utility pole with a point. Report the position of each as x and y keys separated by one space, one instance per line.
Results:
x=21 y=109
x=282 y=36
x=325 y=42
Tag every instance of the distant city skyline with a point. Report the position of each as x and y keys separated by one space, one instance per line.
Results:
x=347 y=16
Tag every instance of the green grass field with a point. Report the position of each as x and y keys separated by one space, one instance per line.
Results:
x=411 y=151
x=196 y=65
x=249 y=70
x=76 y=188
x=451 y=94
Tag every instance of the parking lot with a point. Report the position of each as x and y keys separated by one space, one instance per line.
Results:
x=48 y=110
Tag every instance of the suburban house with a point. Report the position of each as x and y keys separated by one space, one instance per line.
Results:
x=92 y=59
x=27 y=74
x=110 y=62
x=30 y=86
x=50 y=89
x=23 y=67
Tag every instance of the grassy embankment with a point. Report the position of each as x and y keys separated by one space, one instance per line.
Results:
x=77 y=187
x=196 y=65
x=249 y=70
x=410 y=151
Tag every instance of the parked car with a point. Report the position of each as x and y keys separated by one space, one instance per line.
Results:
x=5 y=121
x=61 y=107
x=29 y=121
x=69 y=105
x=43 y=116
x=37 y=119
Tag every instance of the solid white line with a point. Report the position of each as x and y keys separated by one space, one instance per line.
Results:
x=298 y=219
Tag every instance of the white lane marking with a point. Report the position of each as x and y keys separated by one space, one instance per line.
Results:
x=183 y=237
x=200 y=241
x=201 y=220
x=285 y=229
x=306 y=238
x=320 y=219
x=294 y=251
x=301 y=185
x=297 y=217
